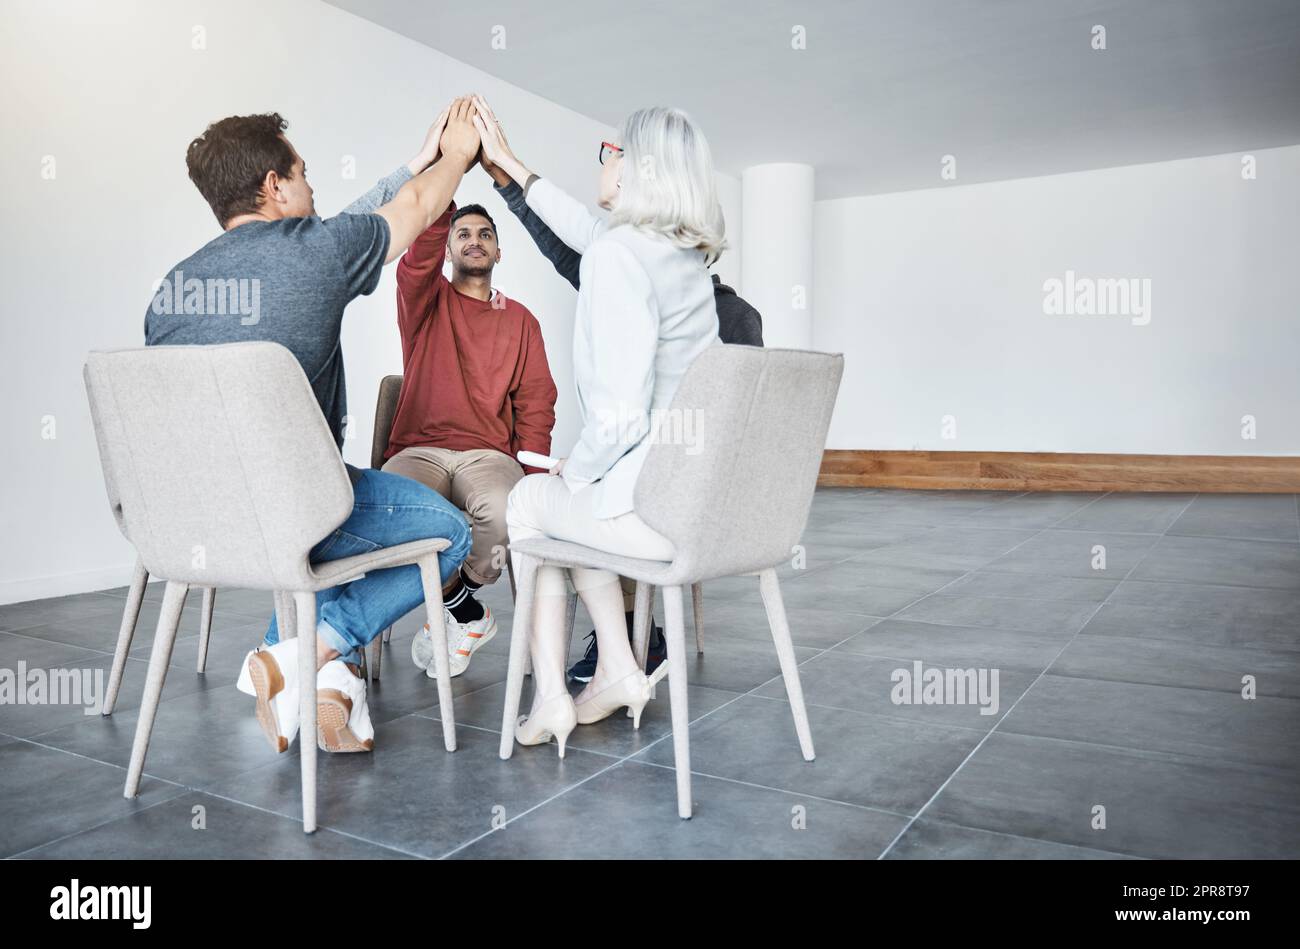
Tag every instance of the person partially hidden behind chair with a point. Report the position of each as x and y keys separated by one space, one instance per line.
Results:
x=738 y=323
x=476 y=389
x=297 y=272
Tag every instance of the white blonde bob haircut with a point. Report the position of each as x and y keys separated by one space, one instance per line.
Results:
x=666 y=184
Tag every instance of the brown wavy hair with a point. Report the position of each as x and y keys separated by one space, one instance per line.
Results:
x=229 y=161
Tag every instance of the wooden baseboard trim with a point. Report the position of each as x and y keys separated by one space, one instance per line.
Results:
x=1051 y=471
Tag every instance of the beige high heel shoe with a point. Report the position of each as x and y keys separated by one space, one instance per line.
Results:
x=632 y=691
x=555 y=717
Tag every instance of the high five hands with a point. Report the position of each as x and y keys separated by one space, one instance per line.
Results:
x=470 y=131
x=460 y=138
x=429 y=151
x=452 y=133
x=496 y=156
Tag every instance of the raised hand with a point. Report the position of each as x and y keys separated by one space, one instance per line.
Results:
x=496 y=151
x=488 y=165
x=429 y=151
x=461 y=137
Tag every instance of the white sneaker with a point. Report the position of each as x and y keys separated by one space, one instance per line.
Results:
x=463 y=640
x=422 y=643
x=342 y=716
x=270 y=673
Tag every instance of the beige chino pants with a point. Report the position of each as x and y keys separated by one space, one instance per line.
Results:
x=477 y=481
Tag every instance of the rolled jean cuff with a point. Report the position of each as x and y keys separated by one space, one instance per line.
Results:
x=332 y=638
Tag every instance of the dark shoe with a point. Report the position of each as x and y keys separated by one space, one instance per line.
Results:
x=658 y=650
x=585 y=668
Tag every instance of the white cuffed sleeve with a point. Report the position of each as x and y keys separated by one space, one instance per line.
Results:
x=567 y=217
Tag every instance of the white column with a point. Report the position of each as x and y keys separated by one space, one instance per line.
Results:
x=776 y=258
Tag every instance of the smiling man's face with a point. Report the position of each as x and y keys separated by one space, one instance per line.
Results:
x=472 y=246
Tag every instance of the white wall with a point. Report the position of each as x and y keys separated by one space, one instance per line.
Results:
x=114 y=92
x=936 y=300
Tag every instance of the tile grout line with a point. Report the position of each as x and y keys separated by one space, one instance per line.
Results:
x=883 y=715
x=76 y=754
x=86 y=830
x=298 y=821
x=785 y=791
x=1036 y=840
x=1037 y=679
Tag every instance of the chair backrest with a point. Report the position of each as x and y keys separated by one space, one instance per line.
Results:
x=730 y=477
x=390 y=387
x=218 y=463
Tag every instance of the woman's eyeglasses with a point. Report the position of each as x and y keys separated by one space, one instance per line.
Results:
x=608 y=151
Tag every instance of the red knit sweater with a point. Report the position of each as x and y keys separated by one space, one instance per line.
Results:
x=475 y=375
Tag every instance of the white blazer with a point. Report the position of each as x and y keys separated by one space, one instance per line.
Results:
x=645 y=311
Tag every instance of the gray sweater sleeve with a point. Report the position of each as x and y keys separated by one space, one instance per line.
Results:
x=738 y=322
x=381 y=193
x=563 y=258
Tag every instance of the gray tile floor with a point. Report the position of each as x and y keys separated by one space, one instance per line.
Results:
x=1121 y=626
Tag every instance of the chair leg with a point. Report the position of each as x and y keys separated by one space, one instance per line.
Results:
x=286 y=616
x=645 y=593
x=642 y=614
x=376 y=657
x=205 y=626
x=675 y=640
x=570 y=620
x=520 y=633
x=697 y=604
x=388 y=634
x=770 y=587
x=130 y=614
x=514 y=597
x=305 y=608
x=163 y=640
x=642 y=606
x=432 y=580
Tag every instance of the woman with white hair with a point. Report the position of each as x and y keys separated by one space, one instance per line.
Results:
x=645 y=311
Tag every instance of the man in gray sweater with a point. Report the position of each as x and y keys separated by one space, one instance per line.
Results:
x=738 y=323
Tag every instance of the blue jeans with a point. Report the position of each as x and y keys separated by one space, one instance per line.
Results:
x=387 y=510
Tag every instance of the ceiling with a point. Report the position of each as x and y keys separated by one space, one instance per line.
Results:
x=884 y=90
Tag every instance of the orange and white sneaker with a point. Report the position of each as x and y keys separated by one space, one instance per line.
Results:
x=463 y=640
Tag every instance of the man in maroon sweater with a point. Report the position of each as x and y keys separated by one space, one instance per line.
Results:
x=477 y=389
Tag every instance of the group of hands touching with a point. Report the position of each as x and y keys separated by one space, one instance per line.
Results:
x=467 y=131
